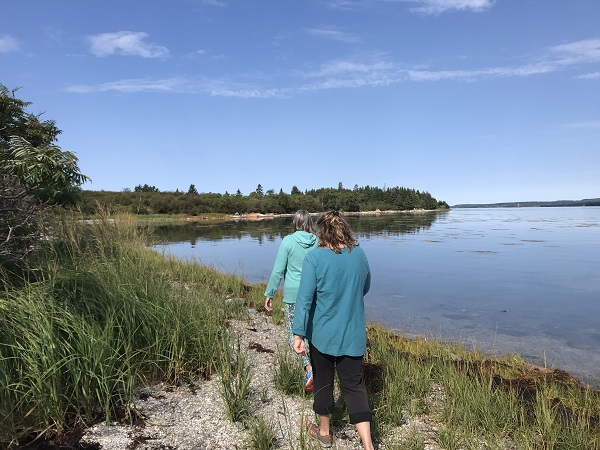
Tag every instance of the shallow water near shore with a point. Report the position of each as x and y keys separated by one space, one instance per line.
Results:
x=522 y=280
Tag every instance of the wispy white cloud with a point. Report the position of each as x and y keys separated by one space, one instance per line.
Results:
x=336 y=35
x=477 y=74
x=9 y=44
x=54 y=34
x=345 y=66
x=590 y=76
x=347 y=73
x=127 y=43
x=226 y=89
x=196 y=54
x=176 y=85
x=171 y=85
x=553 y=59
x=374 y=70
x=427 y=7
x=587 y=51
x=378 y=72
x=440 y=6
x=351 y=82
x=346 y=5
x=218 y=3
x=595 y=124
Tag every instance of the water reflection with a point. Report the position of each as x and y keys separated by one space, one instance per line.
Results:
x=276 y=228
x=191 y=232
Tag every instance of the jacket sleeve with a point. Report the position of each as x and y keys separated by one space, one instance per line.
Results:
x=305 y=297
x=278 y=272
x=368 y=279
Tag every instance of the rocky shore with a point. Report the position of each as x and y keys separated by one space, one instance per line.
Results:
x=192 y=417
x=259 y=216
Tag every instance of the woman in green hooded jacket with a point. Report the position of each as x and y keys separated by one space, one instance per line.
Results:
x=288 y=265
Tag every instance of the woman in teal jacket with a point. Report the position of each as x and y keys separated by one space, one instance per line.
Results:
x=330 y=313
x=288 y=265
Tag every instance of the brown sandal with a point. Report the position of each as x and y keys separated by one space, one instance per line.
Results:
x=315 y=432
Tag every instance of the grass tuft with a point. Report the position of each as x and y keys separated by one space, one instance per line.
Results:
x=263 y=434
x=289 y=374
x=236 y=378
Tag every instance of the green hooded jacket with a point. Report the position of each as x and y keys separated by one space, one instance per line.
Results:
x=288 y=264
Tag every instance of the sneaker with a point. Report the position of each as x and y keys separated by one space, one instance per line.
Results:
x=308 y=381
x=315 y=432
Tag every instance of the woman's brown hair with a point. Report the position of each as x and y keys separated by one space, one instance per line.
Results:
x=334 y=232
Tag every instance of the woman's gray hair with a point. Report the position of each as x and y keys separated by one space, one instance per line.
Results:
x=302 y=221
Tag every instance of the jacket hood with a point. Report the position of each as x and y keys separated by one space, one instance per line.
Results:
x=305 y=239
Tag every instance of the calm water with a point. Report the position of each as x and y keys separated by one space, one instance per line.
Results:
x=525 y=280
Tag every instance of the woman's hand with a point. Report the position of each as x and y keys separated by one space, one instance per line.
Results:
x=299 y=346
x=268 y=303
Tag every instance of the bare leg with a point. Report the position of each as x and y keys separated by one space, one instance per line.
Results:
x=324 y=425
x=364 y=430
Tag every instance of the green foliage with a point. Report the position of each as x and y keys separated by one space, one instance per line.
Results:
x=148 y=200
x=16 y=121
x=289 y=375
x=263 y=435
x=414 y=441
x=103 y=314
x=34 y=175
x=145 y=188
x=236 y=377
x=45 y=172
x=479 y=402
x=28 y=156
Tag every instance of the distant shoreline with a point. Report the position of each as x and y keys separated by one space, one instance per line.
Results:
x=532 y=204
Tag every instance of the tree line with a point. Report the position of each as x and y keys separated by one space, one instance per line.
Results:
x=145 y=199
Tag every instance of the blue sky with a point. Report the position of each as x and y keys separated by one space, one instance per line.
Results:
x=470 y=100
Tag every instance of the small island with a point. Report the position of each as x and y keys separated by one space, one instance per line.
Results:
x=533 y=204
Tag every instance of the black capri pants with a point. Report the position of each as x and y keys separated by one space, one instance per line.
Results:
x=352 y=384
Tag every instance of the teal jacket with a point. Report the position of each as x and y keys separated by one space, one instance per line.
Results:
x=330 y=309
x=288 y=264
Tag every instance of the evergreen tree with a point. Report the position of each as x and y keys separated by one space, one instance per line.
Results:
x=259 y=190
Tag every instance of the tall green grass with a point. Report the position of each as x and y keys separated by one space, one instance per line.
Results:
x=98 y=313
x=263 y=434
x=289 y=374
x=236 y=378
x=481 y=402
